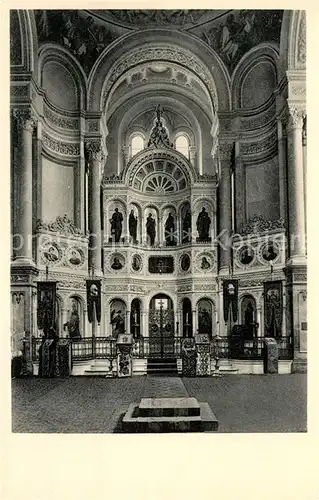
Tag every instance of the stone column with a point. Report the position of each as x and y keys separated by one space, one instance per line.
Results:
x=23 y=241
x=128 y=322
x=258 y=320
x=94 y=157
x=282 y=157
x=296 y=205
x=195 y=322
x=225 y=207
x=304 y=156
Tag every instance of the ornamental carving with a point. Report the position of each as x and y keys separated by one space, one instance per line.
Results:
x=75 y=257
x=17 y=278
x=258 y=224
x=145 y=18
x=71 y=285
x=16 y=297
x=19 y=91
x=93 y=150
x=302 y=40
x=260 y=146
x=225 y=151
x=298 y=90
x=60 y=121
x=63 y=148
x=139 y=56
x=25 y=119
x=62 y=225
x=295 y=117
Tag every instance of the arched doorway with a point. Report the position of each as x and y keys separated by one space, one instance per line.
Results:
x=187 y=318
x=161 y=326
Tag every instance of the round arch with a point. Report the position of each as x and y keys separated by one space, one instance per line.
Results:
x=50 y=52
x=117 y=58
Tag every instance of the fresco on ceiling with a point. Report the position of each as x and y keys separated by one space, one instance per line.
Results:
x=83 y=36
x=142 y=18
x=240 y=31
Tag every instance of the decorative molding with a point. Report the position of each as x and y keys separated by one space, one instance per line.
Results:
x=71 y=285
x=62 y=225
x=248 y=148
x=258 y=224
x=298 y=90
x=18 y=278
x=63 y=148
x=60 y=121
x=16 y=297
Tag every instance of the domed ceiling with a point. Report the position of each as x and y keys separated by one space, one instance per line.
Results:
x=86 y=33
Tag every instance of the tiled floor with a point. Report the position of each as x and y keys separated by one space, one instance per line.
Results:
x=242 y=403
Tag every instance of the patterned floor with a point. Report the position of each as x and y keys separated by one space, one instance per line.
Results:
x=242 y=403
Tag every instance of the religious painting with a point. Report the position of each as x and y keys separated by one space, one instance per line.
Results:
x=73 y=323
x=117 y=262
x=205 y=311
x=246 y=255
x=52 y=253
x=124 y=364
x=273 y=308
x=185 y=262
x=136 y=263
x=230 y=300
x=117 y=317
x=241 y=30
x=75 y=256
x=93 y=297
x=161 y=265
x=46 y=292
x=270 y=252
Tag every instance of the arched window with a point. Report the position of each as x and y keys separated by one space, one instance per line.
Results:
x=182 y=145
x=137 y=144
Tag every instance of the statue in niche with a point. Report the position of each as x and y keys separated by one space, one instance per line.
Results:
x=205 y=264
x=186 y=227
x=151 y=228
x=73 y=325
x=116 y=265
x=116 y=225
x=117 y=321
x=203 y=224
x=132 y=224
x=170 y=230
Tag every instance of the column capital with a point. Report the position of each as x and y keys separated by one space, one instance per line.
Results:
x=25 y=118
x=94 y=150
x=295 y=117
x=225 y=150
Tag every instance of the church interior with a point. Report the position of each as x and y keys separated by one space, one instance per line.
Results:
x=158 y=191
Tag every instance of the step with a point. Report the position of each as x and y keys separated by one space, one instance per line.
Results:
x=96 y=373
x=169 y=407
x=205 y=422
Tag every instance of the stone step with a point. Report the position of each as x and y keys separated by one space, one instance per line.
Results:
x=169 y=407
x=96 y=373
x=133 y=423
